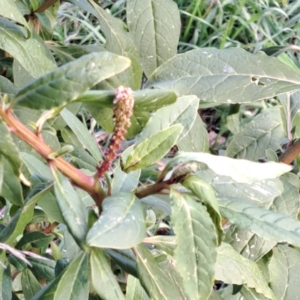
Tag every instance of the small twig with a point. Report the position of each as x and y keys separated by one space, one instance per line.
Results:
x=152 y=189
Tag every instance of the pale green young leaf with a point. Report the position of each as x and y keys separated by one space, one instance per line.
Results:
x=242 y=271
x=120 y=42
x=121 y=224
x=103 y=279
x=71 y=206
x=134 y=290
x=206 y=194
x=153 y=148
x=155 y=28
x=239 y=170
x=30 y=285
x=262 y=133
x=32 y=52
x=195 y=253
x=66 y=83
x=196 y=140
x=183 y=111
x=284 y=267
x=265 y=223
x=72 y=283
x=153 y=278
x=220 y=76
x=82 y=133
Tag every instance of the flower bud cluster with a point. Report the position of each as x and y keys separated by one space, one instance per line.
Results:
x=123 y=110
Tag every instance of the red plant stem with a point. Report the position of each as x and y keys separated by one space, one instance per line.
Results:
x=76 y=176
x=291 y=153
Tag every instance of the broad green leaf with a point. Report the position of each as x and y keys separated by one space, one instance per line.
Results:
x=206 y=194
x=11 y=187
x=121 y=224
x=262 y=133
x=23 y=216
x=265 y=223
x=153 y=148
x=288 y=202
x=195 y=253
x=42 y=267
x=36 y=166
x=6 y=86
x=120 y=42
x=103 y=279
x=1 y=172
x=196 y=139
x=66 y=83
x=21 y=76
x=34 y=239
x=11 y=11
x=32 y=52
x=125 y=259
x=71 y=246
x=5 y=278
x=155 y=29
x=153 y=278
x=167 y=243
x=183 y=111
x=239 y=170
x=8 y=148
x=247 y=243
x=123 y=182
x=134 y=290
x=30 y=285
x=71 y=206
x=220 y=76
x=232 y=268
x=284 y=267
x=82 y=133
x=72 y=283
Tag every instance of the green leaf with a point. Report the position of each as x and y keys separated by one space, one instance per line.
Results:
x=66 y=83
x=268 y=224
x=239 y=170
x=21 y=76
x=125 y=259
x=166 y=243
x=284 y=267
x=72 y=283
x=6 y=86
x=8 y=148
x=30 y=285
x=152 y=149
x=196 y=139
x=232 y=268
x=155 y=28
x=32 y=53
x=183 y=111
x=24 y=215
x=123 y=182
x=195 y=253
x=206 y=194
x=11 y=11
x=103 y=279
x=11 y=187
x=220 y=76
x=5 y=278
x=1 y=172
x=36 y=166
x=134 y=290
x=72 y=208
x=153 y=278
x=42 y=267
x=34 y=239
x=82 y=133
x=120 y=42
x=121 y=224
x=263 y=132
